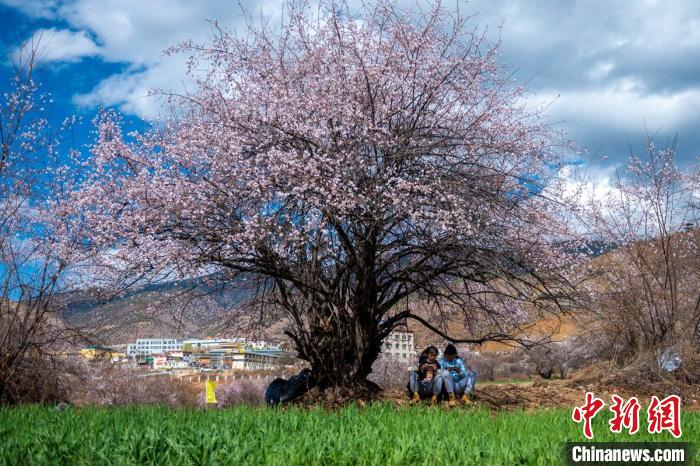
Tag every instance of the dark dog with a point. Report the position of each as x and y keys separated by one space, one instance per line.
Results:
x=283 y=391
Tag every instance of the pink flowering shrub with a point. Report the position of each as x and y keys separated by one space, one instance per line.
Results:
x=237 y=392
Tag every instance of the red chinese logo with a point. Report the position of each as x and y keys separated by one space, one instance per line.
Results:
x=665 y=415
x=662 y=414
x=587 y=412
x=626 y=415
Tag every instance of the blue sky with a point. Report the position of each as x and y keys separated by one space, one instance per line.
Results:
x=606 y=69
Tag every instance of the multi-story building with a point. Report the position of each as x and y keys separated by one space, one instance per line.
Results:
x=233 y=353
x=242 y=359
x=262 y=345
x=199 y=345
x=399 y=345
x=148 y=346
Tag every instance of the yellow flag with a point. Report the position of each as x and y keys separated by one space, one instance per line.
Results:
x=211 y=397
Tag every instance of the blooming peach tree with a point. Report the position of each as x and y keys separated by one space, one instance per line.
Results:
x=645 y=293
x=364 y=170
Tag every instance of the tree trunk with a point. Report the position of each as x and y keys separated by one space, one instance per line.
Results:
x=545 y=372
x=341 y=352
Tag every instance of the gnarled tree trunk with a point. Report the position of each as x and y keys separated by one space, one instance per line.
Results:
x=341 y=349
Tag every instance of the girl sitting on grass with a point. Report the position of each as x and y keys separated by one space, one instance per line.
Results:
x=458 y=380
x=426 y=380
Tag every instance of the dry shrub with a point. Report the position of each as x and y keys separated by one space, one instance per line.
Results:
x=644 y=293
x=558 y=358
x=513 y=365
x=484 y=364
x=492 y=366
x=689 y=372
x=39 y=377
x=34 y=367
x=644 y=376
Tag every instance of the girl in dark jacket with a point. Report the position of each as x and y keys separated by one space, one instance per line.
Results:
x=426 y=380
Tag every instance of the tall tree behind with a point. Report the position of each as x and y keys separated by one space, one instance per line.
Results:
x=358 y=167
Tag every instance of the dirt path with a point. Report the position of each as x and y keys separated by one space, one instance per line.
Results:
x=553 y=394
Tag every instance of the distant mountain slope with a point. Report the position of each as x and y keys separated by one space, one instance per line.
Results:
x=132 y=315
x=181 y=309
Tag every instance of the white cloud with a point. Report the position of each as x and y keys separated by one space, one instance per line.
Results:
x=132 y=90
x=595 y=184
x=691 y=38
x=131 y=32
x=137 y=32
x=623 y=105
x=601 y=70
x=586 y=50
x=60 y=45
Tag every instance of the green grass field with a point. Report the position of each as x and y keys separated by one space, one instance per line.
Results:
x=378 y=434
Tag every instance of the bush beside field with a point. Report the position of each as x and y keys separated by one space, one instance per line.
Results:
x=378 y=434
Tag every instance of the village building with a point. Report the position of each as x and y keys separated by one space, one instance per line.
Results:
x=399 y=345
